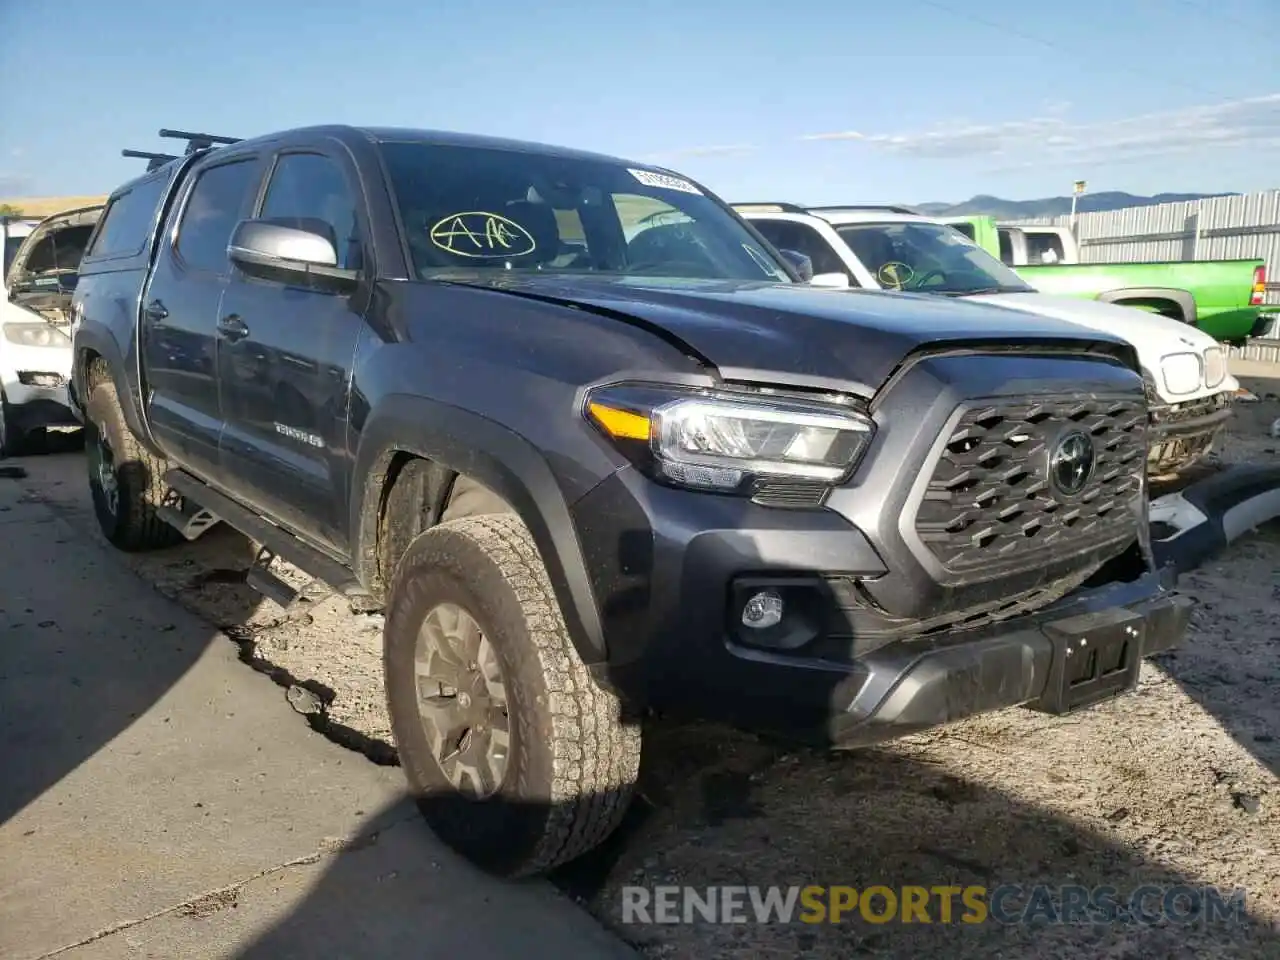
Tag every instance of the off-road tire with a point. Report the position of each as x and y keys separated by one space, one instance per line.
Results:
x=133 y=525
x=572 y=760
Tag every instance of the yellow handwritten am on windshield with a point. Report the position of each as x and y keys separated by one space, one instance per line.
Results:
x=478 y=233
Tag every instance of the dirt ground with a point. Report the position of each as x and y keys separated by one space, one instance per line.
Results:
x=1176 y=784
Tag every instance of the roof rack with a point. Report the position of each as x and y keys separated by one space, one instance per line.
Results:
x=885 y=207
x=154 y=160
x=195 y=143
x=774 y=206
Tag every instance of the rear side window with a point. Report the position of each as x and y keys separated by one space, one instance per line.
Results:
x=1044 y=248
x=966 y=229
x=126 y=224
x=217 y=203
x=802 y=238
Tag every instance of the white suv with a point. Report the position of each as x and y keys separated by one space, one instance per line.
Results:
x=892 y=248
x=41 y=264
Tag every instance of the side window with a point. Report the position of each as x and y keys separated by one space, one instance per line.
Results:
x=966 y=229
x=311 y=190
x=1006 y=248
x=126 y=224
x=1044 y=248
x=788 y=235
x=216 y=205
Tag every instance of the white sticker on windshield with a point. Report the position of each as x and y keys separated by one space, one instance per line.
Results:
x=664 y=181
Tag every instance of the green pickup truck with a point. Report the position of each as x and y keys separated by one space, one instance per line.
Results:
x=1224 y=298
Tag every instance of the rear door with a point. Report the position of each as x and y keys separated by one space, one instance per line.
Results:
x=285 y=353
x=180 y=310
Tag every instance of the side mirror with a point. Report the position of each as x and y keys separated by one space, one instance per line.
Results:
x=836 y=281
x=300 y=251
x=802 y=264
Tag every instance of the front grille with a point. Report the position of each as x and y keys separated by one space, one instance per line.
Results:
x=990 y=504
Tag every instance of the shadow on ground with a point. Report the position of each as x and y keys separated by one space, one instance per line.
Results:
x=69 y=683
x=942 y=842
x=1231 y=663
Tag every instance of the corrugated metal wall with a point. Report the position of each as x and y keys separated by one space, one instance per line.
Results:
x=1223 y=228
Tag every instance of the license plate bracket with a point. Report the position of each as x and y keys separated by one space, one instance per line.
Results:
x=1096 y=657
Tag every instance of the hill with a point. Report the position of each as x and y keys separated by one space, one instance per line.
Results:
x=1054 y=206
x=47 y=206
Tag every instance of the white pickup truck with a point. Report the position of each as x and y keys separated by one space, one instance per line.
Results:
x=889 y=248
x=41 y=260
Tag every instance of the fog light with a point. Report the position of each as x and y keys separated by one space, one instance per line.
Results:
x=763 y=610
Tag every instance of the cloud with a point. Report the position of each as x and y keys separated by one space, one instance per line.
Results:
x=14 y=184
x=722 y=150
x=1250 y=122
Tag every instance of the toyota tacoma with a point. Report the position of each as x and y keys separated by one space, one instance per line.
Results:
x=598 y=451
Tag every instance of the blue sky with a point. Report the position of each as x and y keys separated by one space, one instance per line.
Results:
x=824 y=101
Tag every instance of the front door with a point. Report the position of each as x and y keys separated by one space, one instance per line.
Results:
x=285 y=354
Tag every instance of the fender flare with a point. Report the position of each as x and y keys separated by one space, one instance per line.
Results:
x=1183 y=298
x=502 y=460
x=100 y=341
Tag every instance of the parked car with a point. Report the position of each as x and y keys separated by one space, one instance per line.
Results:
x=1224 y=298
x=35 y=350
x=632 y=470
x=1189 y=387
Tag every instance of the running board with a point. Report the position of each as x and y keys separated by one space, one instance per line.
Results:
x=275 y=542
x=190 y=519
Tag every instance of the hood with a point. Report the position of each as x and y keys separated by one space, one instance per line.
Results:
x=83 y=217
x=1154 y=336
x=825 y=337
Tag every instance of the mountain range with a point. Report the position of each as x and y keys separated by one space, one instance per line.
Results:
x=1054 y=206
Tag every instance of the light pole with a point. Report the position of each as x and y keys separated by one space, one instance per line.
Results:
x=1076 y=192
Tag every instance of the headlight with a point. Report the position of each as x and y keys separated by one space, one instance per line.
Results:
x=1215 y=366
x=717 y=441
x=35 y=335
x=1182 y=373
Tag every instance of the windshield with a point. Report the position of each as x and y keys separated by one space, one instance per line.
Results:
x=467 y=208
x=928 y=258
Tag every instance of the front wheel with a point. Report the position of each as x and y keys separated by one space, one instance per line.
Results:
x=517 y=758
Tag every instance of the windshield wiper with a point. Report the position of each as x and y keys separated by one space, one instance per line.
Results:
x=984 y=291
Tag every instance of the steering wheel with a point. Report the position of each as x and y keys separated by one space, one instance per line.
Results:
x=927 y=277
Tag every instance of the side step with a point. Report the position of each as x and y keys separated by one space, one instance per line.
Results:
x=190 y=519
x=276 y=542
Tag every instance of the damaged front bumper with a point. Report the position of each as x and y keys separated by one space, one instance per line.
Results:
x=1089 y=651
x=1184 y=433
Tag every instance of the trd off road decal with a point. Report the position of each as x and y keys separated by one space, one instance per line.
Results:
x=482 y=235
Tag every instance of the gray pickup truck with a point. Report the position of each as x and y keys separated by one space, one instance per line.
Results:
x=593 y=467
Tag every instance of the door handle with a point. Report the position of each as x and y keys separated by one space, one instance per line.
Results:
x=232 y=327
x=155 y=312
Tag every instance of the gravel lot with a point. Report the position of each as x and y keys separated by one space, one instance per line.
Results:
x=1176 y=784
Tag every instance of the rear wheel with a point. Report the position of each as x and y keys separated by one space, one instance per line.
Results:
x=125 y=481
x=517 y=758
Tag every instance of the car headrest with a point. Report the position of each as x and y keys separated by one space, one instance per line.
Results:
x=539 y=221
